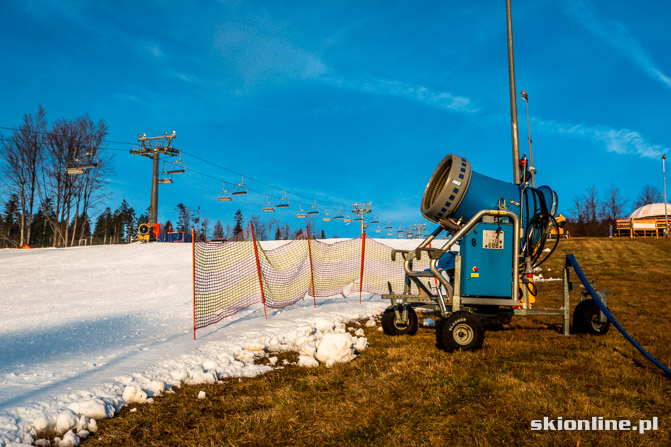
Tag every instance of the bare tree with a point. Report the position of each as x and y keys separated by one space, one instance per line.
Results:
x=613 y=206
x=649 y=194
x=23 y=154
x=259 y=228
x=591 y=205
x=68 y=141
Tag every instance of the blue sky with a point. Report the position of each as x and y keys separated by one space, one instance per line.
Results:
x=348 y=101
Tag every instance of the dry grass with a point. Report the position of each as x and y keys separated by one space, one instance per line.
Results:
x=404 y=392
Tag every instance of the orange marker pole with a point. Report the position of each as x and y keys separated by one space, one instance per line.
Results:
x=312 y=276
x=363 y=254
x=258 y=268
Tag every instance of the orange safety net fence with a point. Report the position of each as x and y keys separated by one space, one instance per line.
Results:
x=230 y=276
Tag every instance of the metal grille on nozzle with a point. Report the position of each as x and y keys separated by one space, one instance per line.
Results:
x=446 y=188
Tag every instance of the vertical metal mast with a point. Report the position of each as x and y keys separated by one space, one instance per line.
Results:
x=666 y=214
x=152 y=147
x=513 y=97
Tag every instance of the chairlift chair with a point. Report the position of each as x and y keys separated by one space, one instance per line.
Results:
x=225 y=196
x=390 y=233
x=87 y=161
x=240 y=188
x=388 y=226
x=339 y=215
x=178 y=166
x=347 y=220
x=327 y=217
x=301 y=213
x=375 y=221
x=313 y=209
x=268 y=208
x=283 y=202
x=378 y=230
x=167 y=179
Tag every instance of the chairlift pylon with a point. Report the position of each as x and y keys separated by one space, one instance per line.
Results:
x=268 y=208
x=240 y=188
x=283 y=202
x=313 y=209
x=224 y=196
x=301 y=212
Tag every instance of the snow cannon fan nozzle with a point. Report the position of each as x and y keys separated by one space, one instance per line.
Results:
x=456 y=191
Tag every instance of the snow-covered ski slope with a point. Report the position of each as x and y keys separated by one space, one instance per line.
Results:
x=78 y=326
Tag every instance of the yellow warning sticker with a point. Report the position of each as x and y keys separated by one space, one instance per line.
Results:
x=475 y=275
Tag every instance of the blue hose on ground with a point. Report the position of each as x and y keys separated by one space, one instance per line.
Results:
x=597 y=299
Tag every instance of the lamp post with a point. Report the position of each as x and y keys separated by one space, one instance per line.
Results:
x=525 y=96
x=666 y=215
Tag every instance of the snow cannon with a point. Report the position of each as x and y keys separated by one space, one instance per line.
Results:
x=457 y=192
x=500 y=230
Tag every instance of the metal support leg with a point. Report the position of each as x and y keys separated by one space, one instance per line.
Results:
x=566 y=307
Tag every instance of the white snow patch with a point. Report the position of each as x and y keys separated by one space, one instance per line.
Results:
x=202 y=395
x=83 y=319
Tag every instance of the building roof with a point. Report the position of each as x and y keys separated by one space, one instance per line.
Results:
x=651 y=210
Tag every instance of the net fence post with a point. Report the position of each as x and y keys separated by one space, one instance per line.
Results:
x=193 y=259
x=363 y=254
x=258 y=268
x=312 y=276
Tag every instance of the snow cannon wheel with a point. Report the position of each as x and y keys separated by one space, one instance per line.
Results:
x=586 y=319
x=461 y=331
x=392 y=326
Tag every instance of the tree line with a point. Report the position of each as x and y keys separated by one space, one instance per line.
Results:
x=36 y=156
x=593 y=214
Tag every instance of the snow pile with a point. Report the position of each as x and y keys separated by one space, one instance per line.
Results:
x=539 y=277
x=84 y=333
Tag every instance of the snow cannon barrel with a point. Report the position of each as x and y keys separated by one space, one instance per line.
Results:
x=456 y=191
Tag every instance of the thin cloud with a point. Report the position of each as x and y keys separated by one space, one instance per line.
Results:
x=619 y=141
x=417 y=93
x=618 y=36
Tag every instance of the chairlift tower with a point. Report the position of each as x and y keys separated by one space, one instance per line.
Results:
x=361 y=209
x=419 y=228
x=152 y=147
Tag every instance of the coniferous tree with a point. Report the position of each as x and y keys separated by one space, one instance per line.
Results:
x=41 y=231
x=10 y=235
x=183 y=218
x=218 y=232
x=104 y=225
x=278 y=234
x=237 y=229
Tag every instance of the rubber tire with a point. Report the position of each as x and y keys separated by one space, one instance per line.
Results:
x=390 y=326
x=461 y=331
x=586 y=319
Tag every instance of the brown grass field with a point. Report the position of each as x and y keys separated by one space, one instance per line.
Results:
x=402 y=391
